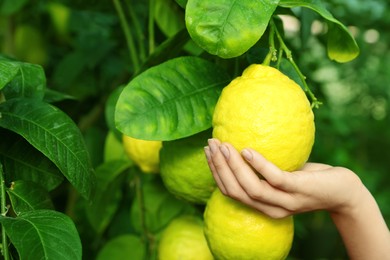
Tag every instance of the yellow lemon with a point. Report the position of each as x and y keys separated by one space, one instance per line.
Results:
x=235 y=231
x=183 y=239
x=265 y=110
x=184 y=168
x=143 y=153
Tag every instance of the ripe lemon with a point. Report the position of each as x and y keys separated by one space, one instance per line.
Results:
x=265 y=110
x=235 y=231
x=184 y=239
x=144 y=153
x=184 y=168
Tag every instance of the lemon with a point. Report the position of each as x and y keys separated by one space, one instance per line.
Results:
x=143 y=153
x=235 y=231
x=184 y=239
x=265 y=110
x=184 y=168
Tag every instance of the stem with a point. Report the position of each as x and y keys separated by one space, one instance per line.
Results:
x=128 y=36
x=272 y=48
x=314 y=101
x=138 y=30
x=151 y=26
x=145 y=232
x=3 y=214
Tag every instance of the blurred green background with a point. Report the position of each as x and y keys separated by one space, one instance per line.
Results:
x=83 y=50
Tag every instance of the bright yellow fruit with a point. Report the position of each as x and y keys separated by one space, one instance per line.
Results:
x=184 y=168
x=265 y=110
x=183 y=239
x=143 y=153
x=235 y=231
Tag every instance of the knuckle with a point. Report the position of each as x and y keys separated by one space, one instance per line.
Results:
x=234 y=195
x=278 y=214
x=255 y=195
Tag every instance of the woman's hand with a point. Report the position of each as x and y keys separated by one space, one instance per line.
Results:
x=253 y=180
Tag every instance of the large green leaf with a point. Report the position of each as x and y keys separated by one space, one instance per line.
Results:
x=23 y=162
x=43 y=234
x=341 y=46
x=172 y=100
x=26 y=196
x=53 y=133
x=20 y=79
x=8 y=71
x=228 y=28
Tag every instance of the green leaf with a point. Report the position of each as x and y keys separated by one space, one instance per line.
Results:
x=159 y=208
x=228 y=28
x=182 y=3
x=43 y=234
x=108 y=193
x=8 y=72
x=23 y=162
x=113 y=148
x=20 y=79
x=288 y=69
x=26 y=196
x=52 y=96
x=169 y=16
x=53 y=133
x=341 y=46
x=109 y=111
x=170 y=101
x=123 y=247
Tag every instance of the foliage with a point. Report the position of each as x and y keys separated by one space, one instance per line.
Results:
x=70 y=90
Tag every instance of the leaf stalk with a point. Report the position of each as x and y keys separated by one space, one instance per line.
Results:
x=129 y=38
x=315 y=103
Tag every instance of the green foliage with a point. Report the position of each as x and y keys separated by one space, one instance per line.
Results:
x=171 y=100
x=44 y=234
x=228 y=28
x=341 y=45
x=154 y=70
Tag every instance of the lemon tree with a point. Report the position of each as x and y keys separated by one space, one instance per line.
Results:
x=235 y=231
x=163 y=78
x=183 y=238
x=276 y=119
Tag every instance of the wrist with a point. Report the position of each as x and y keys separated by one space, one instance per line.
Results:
x=353 y=195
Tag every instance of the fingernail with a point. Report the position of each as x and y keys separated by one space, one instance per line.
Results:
x=225 y=151
x=247 y=154
x=213 y=146
x=207 y=152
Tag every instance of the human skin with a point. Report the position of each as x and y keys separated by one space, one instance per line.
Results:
x=315 y=186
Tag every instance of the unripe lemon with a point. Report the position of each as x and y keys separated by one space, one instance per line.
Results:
x=183 y=239
x=184 y=168
x=143 y=153
x=265 y=110
x=235 y=231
